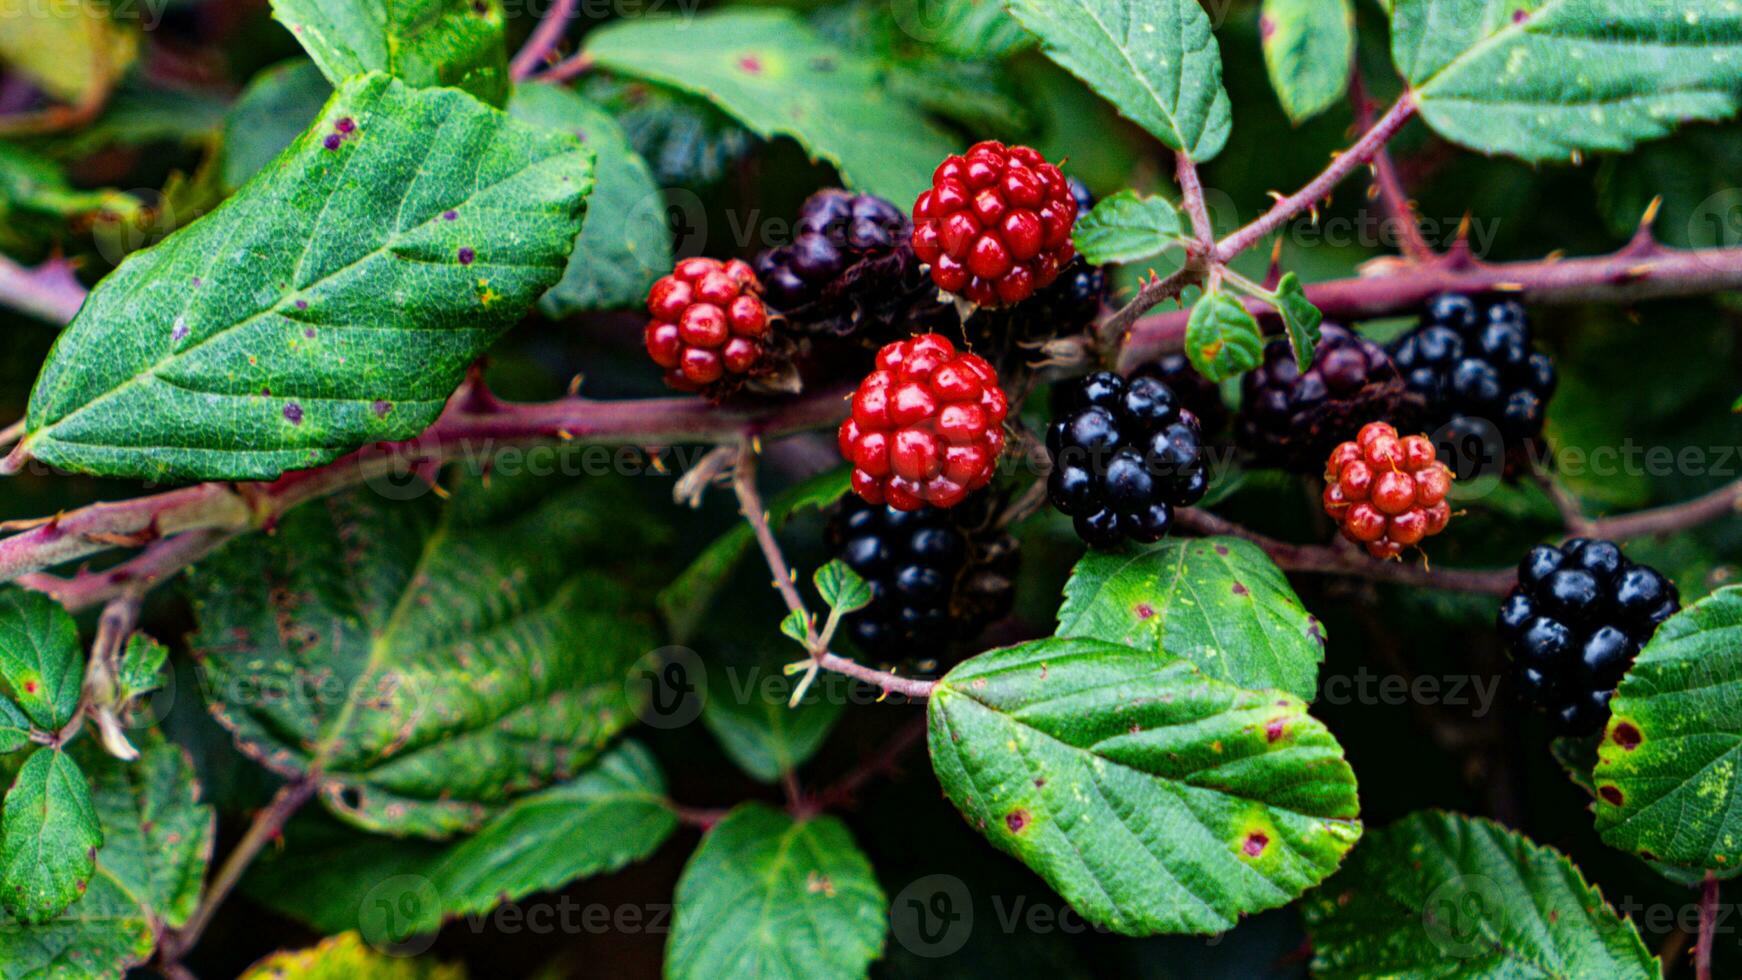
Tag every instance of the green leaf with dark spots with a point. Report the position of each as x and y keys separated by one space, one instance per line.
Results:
x=41 y=660
x=48 y=838
x=625 y=244
x=335 y=300
x=1308 y=47
x=431 y=661
x=1547 y=79
x=1152 y=797
x=775 y=898
x=1156 y=61
x=1445 y=895
x=157 y=840
x=1668 y=782
x=772 y=73
x=1222 y=338
x=1220 y=603
x=426 y=43
x=1128 y=227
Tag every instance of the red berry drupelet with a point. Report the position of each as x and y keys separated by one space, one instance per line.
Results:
x=1387 y=493
x=709 y=326
x=927 y=426
x=996 y=225
x=1578 y=616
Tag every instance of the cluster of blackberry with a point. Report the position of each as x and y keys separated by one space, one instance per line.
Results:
x=849 y=271
x=1292 y=419
x=1481 y=384
x=937 y=576
x=1124 y=455
x=1578 y=616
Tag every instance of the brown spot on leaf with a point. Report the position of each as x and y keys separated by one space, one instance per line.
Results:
x=1626 y=735
x=1016 y=820
x=1274 y=729
x=750 y=63
x=1241 y=589
x=1266 y=28
x=1222 y=550
x=1143 y=610
x=1611 y=795
x=1255 y=844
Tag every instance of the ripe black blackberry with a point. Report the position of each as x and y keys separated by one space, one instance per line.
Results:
x=849 y=271
x=937 y=576
x=1124 y=455
x=1575 y=621
x=1069 y=305
x=1294 y=419
x=1197 y=394
x=1481 y=384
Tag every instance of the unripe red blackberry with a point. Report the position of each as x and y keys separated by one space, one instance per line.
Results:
x=927 y=425
x=1578 y=616
x=937 y=576
x=996 y=224
x=1293 y=419
x=709 y=326
x=849 y=271
x=1387 y=493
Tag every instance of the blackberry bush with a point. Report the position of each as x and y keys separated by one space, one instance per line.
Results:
x=1123 y=456
x=1574 y=623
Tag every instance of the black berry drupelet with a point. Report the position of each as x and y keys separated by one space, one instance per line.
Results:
x=1575 y=621
x=850 y=269
x=1294 y=419
x=937 y=576
x=1124 y=455
x=1196 y=393
x=1471 y=367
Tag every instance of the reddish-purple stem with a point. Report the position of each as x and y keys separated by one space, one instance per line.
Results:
x=544 y=39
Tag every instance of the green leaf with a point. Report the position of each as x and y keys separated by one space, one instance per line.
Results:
x=842 y=588
x=35 y=184
x=749 y=706
x=14 y=726
x=48 y=838
x=972 y=29
x=1220 y=603
x=1128 y=227
x=1151 y=797
x=691 y=594
x=425 y=43
x=684 y=139
x=278 y=104
x=1667 y=779
x=777 y=77
x=1156 y=61
x=331 y=302
x=345 y=957
x=1445 y=895
x=769 y=897
x=41 y=660
x=1300 y=317
x=157 y=842
x=1545 y=79
x=1222 y=338
x=141 y=667
x=430 y=661
x=334 y=878
x=1308 y=48
x=625 y=244
x=794 y=624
